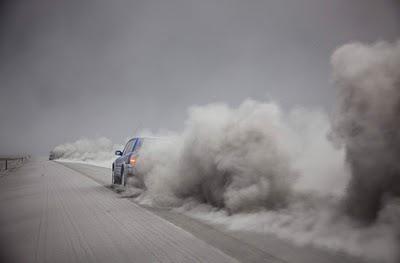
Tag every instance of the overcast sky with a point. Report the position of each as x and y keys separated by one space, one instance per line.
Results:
x=85 y=68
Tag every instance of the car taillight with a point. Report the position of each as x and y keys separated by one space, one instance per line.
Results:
x=132 y=161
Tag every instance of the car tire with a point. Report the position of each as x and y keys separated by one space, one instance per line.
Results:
x=123 y=177
x=113 y=175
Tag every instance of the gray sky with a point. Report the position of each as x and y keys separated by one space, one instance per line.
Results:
x=74 y=68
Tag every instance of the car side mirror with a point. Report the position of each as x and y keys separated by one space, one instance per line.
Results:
x=119 y=153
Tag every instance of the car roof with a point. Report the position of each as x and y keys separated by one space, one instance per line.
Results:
x=148 y=138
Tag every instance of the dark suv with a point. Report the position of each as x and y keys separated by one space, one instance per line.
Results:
x=124 y=165
x=52 y=156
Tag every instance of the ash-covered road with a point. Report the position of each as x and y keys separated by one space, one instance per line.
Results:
x=53 y=212
x=50 y=213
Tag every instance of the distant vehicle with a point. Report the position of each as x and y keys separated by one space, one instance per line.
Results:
x=52 y=156
x=125 y=165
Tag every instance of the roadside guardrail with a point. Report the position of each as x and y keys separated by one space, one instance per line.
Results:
x=9 y=162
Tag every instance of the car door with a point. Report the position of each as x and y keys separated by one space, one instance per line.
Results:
x=124 y=158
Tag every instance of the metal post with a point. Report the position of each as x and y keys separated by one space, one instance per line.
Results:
x=6 y=164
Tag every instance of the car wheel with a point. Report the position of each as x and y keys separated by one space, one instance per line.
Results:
x=123 y=177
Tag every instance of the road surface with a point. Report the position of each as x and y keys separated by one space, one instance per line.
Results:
x=55 y=212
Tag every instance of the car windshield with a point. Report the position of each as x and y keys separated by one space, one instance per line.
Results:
x=138 y=144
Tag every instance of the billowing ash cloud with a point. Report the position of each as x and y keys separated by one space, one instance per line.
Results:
x=368 y=123
x=232 y=158
x=242 y=159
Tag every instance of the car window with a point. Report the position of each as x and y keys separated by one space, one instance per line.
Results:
x=126 y=147
x=129 y=146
